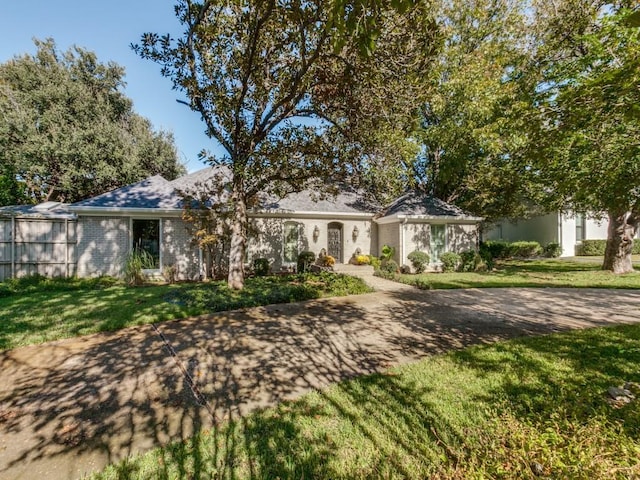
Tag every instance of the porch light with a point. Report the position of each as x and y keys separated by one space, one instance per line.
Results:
x=316 y=232
x=356 y=232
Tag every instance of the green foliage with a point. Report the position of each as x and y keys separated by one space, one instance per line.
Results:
x=68 y=132
x=387 y=253
x=524 y=249
x=136 y=262
x=389 y=267
x=169 y=273
x=597 y=247
x=261 y=266
x=495 y=249
x=419 y=260
x=38 y=309
x=305 y=260
x=552 y=250
x=289 y=105
x=374 y=262
x=450 y=261
x=471 y=261
x=528 y=273
x=489 y=411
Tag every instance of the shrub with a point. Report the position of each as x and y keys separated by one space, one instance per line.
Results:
x=362 y=260
x=636 y=247
x=137 y=261
x=450 y=261
x=305 y=260
x=326 y=261
x=552 y=250
x=471 y=261
x=591 y=248
x=494 y=249
x=524 y=249
x=390 y=267
x=405 y=269
x=419 y=260
x=387 y=253
x=374 y=262
x=261 y=266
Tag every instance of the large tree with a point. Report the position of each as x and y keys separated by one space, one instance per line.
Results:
x=472 y=122
x=587 y=147
x=283 y=98
x=67 y=130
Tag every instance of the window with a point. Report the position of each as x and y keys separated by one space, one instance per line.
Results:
x=437 y=242
x=146 y=238
x=580 y=230
x=290 y=242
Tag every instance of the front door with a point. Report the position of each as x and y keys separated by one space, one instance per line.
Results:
x=334 y=244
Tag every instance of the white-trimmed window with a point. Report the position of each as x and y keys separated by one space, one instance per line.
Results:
x=291 y=241
x=437 y=241
x=146 y=238
x=580 y=227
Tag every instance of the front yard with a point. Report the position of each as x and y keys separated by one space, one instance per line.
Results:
x=37 y=310
x=528 y=273
x=530 y=408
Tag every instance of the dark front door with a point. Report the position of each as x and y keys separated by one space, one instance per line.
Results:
x=334 y=247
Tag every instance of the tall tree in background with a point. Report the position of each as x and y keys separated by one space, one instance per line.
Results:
x=68 y=132
x=276 y=90
x=472 y=132
x=587 y=148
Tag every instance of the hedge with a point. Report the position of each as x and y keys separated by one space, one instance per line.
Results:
x=596 y=248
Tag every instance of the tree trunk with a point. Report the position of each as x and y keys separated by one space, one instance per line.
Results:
x=238 y=238
x=622 y=230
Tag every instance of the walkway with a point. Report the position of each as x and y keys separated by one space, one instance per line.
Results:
x=72 y=406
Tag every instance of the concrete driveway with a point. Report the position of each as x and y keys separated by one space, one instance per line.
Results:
x=73 y=406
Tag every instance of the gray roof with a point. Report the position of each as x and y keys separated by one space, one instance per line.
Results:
x=157 y=193
x=42 y=210
x=153 y=192
x=420 y=204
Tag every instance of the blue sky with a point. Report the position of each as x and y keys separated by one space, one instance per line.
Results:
x=108 y=28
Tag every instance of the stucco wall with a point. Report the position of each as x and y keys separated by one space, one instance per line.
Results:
x=178 y=249
x=103 y=244
x=462 y=237
x=389 y=234
x=268 y=238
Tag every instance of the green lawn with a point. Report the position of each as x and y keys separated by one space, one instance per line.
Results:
x=495 y=411
x=530 y=273
x=36 y=310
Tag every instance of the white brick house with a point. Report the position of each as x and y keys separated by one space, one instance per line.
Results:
x=148 y=214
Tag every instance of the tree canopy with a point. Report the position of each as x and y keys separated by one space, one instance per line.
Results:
x=290 y=106
x=67 y=131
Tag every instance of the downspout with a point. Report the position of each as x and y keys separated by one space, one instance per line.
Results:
x=200 y=263
x=402 y=237
x=66 y=248
x=560 y=240
x=13 y=247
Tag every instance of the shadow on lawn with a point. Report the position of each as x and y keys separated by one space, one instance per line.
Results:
x=87 y=402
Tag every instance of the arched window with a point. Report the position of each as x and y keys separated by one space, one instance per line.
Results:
x=291 y=242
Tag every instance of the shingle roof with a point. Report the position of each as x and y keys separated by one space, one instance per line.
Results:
x=347 y=200
x=421 y=204
x=42 y=210
x=153 y=192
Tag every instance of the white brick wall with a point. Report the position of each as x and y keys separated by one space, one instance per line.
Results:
x=103 y=244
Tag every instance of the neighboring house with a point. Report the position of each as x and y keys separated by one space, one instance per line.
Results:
x=99 y=232
x=566 y=229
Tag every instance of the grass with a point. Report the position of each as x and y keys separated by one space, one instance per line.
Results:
x=36 y=310
x=528 y=273
x=498 y=411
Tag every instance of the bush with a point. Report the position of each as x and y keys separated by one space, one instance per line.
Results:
x=305 y=260
x=450 y=261
x=636 y=247
x=387 y=253
x=590 y=248
x=326 y=261
x=405 y=269
x=362 y=260
x=419 y=260
x=552 y=250
x=494 y=249
x=137 y=261
x=261 y=266
x=524 y=249
x=170 y=272
x=390 y=267
x=470 y=261
x=374 y=262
